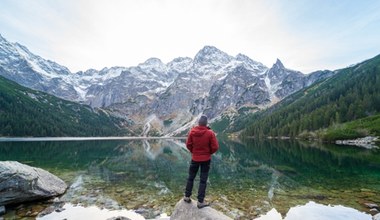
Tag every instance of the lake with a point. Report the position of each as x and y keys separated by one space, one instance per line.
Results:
x=246 y=179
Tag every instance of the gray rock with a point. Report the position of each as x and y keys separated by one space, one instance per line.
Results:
x=21 y=183
x=240 y=87
x=373 y=211
x=47 y=211
x=186 y=211
x=317 y=76
x=371 y=205
x=60 y=210
x=119 y=218
x=2 y=210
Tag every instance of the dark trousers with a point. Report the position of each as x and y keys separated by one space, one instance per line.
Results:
x=193 y=170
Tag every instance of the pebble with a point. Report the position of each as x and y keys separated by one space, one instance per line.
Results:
x=141 y=211
x=118 y=218
x=46 y=211
x=373 y=211
x=2 y=210
x=60 y=210
x=371 y=205
x=365 y=190
x=120 y=190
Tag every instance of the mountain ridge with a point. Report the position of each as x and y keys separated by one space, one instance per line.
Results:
x=212 y=83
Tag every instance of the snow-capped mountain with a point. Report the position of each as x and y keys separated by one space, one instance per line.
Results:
x=167 y=97
x=19 y=64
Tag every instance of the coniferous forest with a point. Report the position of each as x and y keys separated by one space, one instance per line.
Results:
x=352 y=93
x=26 y=112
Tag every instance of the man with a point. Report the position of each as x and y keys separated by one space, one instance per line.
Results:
x=202 y=143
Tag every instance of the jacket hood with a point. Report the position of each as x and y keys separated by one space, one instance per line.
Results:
x=199 y=131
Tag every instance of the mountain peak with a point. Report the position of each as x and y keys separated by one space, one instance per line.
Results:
x=4 y=42
x=2 y=38
x=153 y=60
x=209 y=50
x=181 y=59
x=242 y=57
x=180 y=64
x=245 y=58
x=257 y=67
x=211 y=54
x=153 y=63
x=278 y=64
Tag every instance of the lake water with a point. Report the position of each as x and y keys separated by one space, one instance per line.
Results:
x=246 y=179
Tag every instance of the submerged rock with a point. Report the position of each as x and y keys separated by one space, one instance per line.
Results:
x=22 y=183
x=190 y=211
x=2 y=210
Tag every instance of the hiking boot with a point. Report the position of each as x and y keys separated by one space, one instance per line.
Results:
x=187 y=199
x=202 y=205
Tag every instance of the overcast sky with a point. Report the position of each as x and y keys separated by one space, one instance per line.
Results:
x=306 y=35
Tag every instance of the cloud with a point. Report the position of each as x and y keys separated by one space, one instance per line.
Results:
x=129 y=32
x=95 y=34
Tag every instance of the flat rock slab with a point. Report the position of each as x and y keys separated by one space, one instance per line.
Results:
x=190 y=211
x=22 y=183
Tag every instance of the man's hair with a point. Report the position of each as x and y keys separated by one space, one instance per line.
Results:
x=203 y=120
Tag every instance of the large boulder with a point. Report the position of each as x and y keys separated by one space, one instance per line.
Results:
x=21 y=183
x=190 y=211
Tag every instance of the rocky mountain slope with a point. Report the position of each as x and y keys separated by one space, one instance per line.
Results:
x=166 y=98
x=27 y=112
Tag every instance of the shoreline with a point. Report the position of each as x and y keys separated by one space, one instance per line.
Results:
x=367 y=142
x=26 y=139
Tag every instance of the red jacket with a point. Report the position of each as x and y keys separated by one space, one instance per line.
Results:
x=201 y=142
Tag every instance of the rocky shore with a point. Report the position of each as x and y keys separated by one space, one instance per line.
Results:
x=100 y=206
x=368 y=142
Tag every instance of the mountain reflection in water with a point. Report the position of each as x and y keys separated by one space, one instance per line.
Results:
x=246 y=179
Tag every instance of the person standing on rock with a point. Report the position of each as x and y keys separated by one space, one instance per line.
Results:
x=202 y=143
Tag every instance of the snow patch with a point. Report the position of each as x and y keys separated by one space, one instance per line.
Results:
x=81 y=92
x=184 y=127
x=272 y=89
x=147 y=125
x=33 y=96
